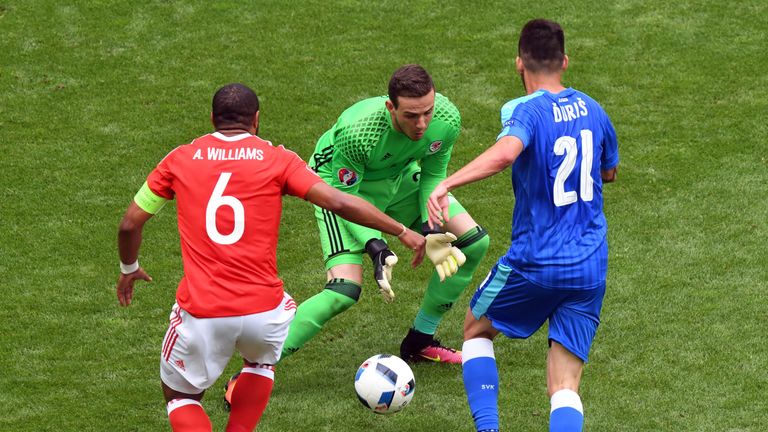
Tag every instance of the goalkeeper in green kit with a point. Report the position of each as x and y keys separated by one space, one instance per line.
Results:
x=392 y=151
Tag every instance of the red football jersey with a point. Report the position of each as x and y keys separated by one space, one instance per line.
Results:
x=228 y=194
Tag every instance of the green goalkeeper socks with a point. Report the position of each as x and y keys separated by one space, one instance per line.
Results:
x=440 y=296
x=338 y=296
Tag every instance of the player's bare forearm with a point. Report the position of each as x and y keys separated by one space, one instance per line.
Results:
x=361 y=212
x=129 y=233
x=496 y=159
x=609 y=175
x=352 y=208
x=128 y=243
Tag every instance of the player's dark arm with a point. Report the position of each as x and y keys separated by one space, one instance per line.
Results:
x=360 y=211
x=610 y=156
x=129 y=233
x=609 y=175
x=128 y=243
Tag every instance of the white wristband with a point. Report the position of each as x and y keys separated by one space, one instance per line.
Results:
x=405 y=230
x=129 y=268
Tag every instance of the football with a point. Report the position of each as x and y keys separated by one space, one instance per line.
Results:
x=384 y=384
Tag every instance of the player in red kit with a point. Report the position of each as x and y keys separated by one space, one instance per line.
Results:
x=228 y=187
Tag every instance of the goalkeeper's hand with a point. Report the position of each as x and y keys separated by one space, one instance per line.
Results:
x=383 y=261
x=446 y=258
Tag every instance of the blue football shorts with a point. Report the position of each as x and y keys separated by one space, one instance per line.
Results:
x=517 y=308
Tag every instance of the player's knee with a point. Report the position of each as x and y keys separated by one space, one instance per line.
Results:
x=348 y=293
x=482 y=244
x=474 y=243
x=478 y=328
x=171 y=394
x=248 y=364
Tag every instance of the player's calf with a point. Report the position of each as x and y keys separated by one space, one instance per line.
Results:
x=439 y=298
x=338 y=296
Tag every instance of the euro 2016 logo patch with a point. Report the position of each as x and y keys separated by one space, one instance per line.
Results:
x=348 y=177
x=435 y=146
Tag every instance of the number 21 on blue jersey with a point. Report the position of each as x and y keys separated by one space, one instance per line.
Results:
x=567 y=145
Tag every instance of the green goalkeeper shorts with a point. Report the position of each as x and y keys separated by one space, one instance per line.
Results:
x=343 y=242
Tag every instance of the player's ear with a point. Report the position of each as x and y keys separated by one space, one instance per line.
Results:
x=519 y=65
x=255 y=124
x=565 y=62
x=390 y=106
x=212 y=122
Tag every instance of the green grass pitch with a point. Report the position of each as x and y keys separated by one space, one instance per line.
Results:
x=94 y=93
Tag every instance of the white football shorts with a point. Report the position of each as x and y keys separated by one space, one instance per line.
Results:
x=196 y=350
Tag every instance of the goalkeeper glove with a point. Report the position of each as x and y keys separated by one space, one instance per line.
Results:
x=446 y=258
x=383 y=261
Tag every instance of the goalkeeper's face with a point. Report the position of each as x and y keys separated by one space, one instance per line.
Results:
x=413 y=114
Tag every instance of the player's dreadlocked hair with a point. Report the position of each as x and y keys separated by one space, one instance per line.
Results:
x=542 y=46
x=409 y=81
x=234 y=105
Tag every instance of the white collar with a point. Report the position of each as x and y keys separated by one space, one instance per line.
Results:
x=232 y=138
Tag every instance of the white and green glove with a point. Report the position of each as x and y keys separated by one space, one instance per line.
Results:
x=383 y=261
x=446 y=258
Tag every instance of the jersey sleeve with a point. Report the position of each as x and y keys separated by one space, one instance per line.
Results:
x=516 y=121
x=149 y=201
x=298 y=178
x=353 y=144
x=351 y=150
x=434 y=167
x=610 y=157
x=160 y=180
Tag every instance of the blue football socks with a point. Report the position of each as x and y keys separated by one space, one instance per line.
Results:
x=481 y=382
x=567 y=414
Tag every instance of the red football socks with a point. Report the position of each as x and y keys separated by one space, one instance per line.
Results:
x=187 y=415
x=250 y=397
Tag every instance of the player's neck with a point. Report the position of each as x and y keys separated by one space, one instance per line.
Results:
x=233 y=131
x=549 y=82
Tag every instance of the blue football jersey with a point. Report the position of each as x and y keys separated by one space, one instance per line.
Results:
x=558 y=225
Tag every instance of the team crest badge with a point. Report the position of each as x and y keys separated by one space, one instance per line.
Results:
x=435 y=146
x=348 y=177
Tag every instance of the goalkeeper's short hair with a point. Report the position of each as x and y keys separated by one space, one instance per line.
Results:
x=410 y=80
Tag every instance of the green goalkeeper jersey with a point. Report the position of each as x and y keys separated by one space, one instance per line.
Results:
x=364 y=147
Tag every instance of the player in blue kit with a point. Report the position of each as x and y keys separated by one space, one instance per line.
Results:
x=562 y=148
